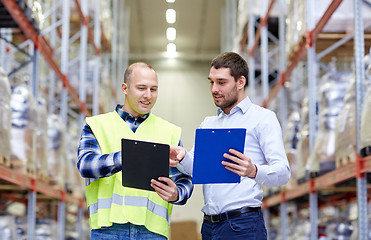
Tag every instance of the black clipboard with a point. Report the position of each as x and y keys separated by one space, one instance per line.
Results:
x=210 y=145
x=143 y=161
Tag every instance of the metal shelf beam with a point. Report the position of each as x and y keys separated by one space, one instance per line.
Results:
x=338 y=175
x=31 y=183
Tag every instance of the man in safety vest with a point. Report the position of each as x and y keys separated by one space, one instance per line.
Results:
x=117 y=212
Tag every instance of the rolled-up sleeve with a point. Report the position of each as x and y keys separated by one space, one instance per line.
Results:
x=184 y=185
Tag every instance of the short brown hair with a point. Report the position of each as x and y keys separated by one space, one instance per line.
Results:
x=234 y=62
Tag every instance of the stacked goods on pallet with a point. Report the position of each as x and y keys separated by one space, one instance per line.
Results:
x=45 y=228
x=345 y=149
x=303 y=144
x=77 y=182
x=291 y=138
x=296 y=19
x=42 y=140
x=345 y=139
x=7 y=227
x=5 y=113
x=23 y=137
x=70 y=151
x=337 y=222
x=365 y=138
x=32 y=10
x=333 y=86
x=56 y=150
x=302 y=229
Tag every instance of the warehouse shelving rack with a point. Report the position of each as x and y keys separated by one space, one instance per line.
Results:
x=34 y=186
x=47 y=47
x=42 y=45
x=272 y=57
x=361 y=167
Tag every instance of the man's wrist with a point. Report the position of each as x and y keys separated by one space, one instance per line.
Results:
x=255 y=172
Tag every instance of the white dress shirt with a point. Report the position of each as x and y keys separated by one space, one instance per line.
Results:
x=263 y=144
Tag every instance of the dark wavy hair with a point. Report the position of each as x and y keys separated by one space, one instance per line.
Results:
x=234 y=62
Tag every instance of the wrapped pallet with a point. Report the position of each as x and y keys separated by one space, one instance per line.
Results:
x=5 y=114
x=76 y=182
x=42 y=140
x=332 y=93
x=56 y=150
x=365 y=138
x=70 y=180
x=345 y=131
x=291 y=138
x=7 y=227
x=303 y=143
x=46 y=228
x=296 y=20
x=23 y=137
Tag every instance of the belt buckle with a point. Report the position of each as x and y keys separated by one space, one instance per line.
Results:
x=212 y=219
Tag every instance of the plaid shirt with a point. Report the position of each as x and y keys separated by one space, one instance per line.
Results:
x=93 y=165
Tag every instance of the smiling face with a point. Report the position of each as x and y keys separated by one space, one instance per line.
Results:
x=140 y=91
x=226 y=91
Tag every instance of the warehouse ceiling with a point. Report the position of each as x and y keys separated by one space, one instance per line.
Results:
x=197 y=28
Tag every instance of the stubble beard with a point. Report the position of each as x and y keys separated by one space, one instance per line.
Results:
x=226 y=103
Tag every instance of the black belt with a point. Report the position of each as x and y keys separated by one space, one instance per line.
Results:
x=230 y=214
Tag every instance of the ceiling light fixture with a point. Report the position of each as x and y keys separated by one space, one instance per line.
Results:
x=171 y=49
x=171 y=33
x=170 y=1
x=170 y=16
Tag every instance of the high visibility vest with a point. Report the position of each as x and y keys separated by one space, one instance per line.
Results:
x=108 y=201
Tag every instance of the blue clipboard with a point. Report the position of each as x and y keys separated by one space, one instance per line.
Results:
x=210 y=145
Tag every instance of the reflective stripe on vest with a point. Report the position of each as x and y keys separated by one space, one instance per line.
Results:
x=105 y=203
x=151 y=206
x=130 y=201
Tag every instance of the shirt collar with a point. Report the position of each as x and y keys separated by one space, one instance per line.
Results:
x=242 y=106
x=125 y=115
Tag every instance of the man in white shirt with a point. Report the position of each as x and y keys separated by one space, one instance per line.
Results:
x=232 y=211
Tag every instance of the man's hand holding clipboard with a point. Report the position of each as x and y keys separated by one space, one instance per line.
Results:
x=241 y=165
